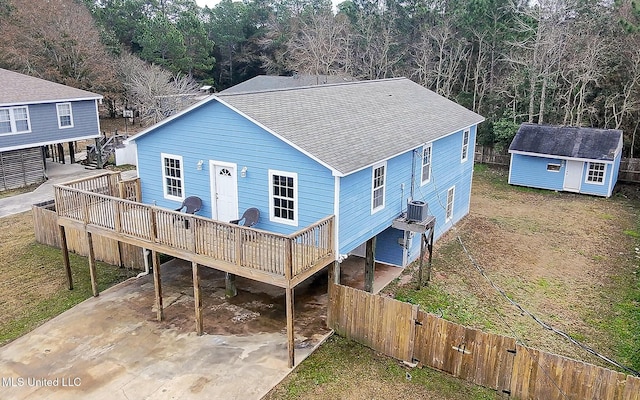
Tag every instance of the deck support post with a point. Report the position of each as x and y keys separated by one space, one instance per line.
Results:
x=65 y=256
x=430 y=250
x=421 y=264
x=369 y=264
x=92 y=265
x=334 y=272
x=230 y=285
x=290 y=331
x=157 y=284
x=197 y=297
x=60 y=153
x=72 y=153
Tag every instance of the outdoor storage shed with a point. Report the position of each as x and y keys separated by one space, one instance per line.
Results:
x=572 y=159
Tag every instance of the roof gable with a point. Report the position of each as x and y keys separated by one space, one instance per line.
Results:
x=24 y=89
x=350 y=126
x=567 y=141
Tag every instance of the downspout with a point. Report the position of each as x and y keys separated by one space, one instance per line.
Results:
x=413 y=172
x=145 y=255
x=336 y=218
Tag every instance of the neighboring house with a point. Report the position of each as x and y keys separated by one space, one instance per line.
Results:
x=358 y=150
x=272 y=82
x=564 y=158
x=35 y=113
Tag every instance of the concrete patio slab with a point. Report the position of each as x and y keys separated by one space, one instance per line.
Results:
x=111 y=347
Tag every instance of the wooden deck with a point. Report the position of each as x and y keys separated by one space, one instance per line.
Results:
x=281 y=260
x=107 y=206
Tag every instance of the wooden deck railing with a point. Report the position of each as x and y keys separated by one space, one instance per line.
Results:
x=111 y=184
x=285 y=256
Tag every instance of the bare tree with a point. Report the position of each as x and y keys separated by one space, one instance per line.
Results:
x=376 y=51
x=153 y=91
x=56 y=40
x=438 y=57
x=319 y=45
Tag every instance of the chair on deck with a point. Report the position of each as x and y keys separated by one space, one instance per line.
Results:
x=192 y=205
x=250 y=217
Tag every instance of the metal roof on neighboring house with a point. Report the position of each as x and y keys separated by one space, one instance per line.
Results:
x=271 y=82
x=18 y=89
x=567 y=141
x=349 y=126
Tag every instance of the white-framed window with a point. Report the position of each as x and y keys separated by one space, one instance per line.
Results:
x=14 y=120
x=65 y=115
x=283 y=197
x=172 y=177
x=426 y=163
x=552 y=167
x=450 y=199
x=378 y=181
x=595 y=173
x=465 y=145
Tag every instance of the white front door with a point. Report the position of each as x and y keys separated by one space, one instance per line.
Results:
x=224 y=191
x=573 y=176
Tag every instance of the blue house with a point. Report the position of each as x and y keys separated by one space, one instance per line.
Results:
x=360 y=151
x=35 y=113
x=563 y=158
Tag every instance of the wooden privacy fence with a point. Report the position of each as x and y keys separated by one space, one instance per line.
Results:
x=21 y=168
x=108 y=250
x=489 y=155
x=402 y=331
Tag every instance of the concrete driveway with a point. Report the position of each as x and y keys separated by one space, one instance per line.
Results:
x=57 y=173
x=111 y=347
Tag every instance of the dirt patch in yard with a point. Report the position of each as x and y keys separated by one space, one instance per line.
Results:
x=558 y=255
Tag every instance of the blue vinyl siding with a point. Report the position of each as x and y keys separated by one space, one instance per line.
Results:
x=532 y=171
x=215 y=132
x=388 y=246
x=447 y=171
x=44 y=125
x=357 y=224
x=596 y=189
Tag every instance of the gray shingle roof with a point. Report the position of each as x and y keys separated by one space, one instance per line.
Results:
x=567 y=141
x=18 y=88
x=350 y=126
x=270 y=82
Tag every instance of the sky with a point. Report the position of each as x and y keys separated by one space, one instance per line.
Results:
x=209 y=3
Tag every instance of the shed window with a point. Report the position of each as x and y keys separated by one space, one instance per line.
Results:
x=553 y=167
x=450 y=198
x=283 y=197
x=426 y=163
x=65 y=116
x=172 y=177
x=14 y=120
x=465 y=145
x=595 y=173
x=378 y=179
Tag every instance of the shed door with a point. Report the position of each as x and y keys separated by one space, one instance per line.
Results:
x=224 y=191
x=573 y=176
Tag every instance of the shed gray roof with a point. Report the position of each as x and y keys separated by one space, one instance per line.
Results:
x=350 y=126
x=18 y=88
x=270 y=82
x=567 y=141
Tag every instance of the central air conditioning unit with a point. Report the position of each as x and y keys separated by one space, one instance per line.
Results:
x=417 y=211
